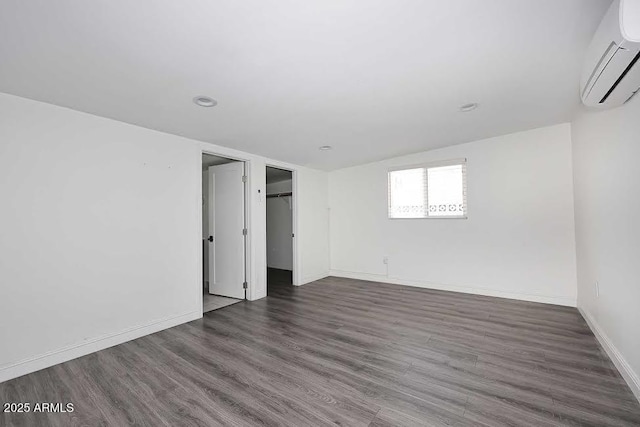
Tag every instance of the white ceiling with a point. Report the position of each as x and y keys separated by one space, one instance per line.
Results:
x=372 y=78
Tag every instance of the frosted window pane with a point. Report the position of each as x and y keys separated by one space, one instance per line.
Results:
x=428 y=192
x=407 y=193
x=446 y=191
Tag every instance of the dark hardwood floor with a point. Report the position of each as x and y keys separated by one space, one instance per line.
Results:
x=347 y=352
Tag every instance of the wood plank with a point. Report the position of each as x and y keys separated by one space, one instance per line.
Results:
x=348 y=352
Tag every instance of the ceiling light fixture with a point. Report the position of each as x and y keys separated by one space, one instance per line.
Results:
x=468 y=107
x=205 y=101
x=325 y=148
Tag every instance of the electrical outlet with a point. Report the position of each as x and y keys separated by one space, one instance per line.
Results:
x=385 y=260
x=597 y=288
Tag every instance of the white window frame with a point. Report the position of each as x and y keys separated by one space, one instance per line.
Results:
x=462 y=162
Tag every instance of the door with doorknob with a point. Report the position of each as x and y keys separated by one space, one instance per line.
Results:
x=226 y=230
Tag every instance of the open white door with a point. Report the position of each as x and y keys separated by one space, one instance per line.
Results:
x=226 y=226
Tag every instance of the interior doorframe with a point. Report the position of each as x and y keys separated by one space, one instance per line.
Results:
x=294 y=225
x=247 y=221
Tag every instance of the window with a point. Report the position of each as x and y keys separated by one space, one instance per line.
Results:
x=431 y=191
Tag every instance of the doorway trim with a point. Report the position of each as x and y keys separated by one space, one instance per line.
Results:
x=294 y=225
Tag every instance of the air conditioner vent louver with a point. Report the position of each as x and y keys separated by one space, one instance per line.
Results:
x=622 y=76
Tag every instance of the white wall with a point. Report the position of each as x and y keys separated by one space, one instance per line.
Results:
x=518 y=241
x=280 y=227
x=606 y=149
x=312 y=203
x=100 y=226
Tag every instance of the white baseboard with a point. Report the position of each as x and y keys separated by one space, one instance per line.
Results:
x=631 y=377
x=65 y=354
x=565 y=301
x=313 y=278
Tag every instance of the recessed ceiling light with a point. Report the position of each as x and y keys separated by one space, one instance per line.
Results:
x=468 y=107
x=325 y=148
x=205 y=101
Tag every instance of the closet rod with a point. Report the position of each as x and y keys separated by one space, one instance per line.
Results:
x=280 y=195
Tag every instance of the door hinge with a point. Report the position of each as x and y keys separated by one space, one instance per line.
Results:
x=244 y=231
x=245 y=285
x=244 y=178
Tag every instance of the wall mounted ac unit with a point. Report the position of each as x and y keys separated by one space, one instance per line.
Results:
x=612 y=70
